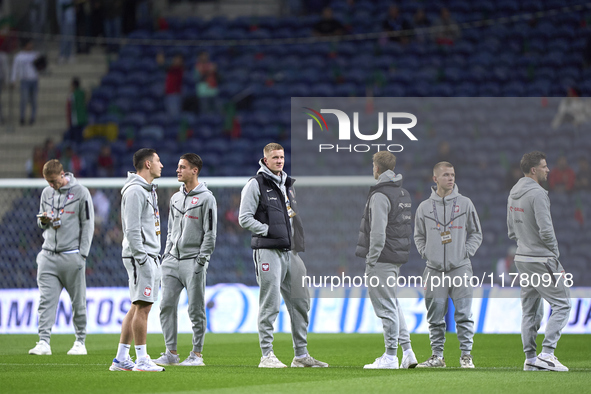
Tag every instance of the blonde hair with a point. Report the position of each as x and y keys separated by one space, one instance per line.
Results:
x=385 y=161
x=442 y=164
x=271 y=147
x=52 y=167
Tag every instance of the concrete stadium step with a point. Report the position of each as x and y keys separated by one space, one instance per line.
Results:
x=54 y=88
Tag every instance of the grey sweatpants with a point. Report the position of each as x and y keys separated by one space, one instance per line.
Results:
x=176 y=276
x=56 y=271
x=386 y=305
x=281 y=272
x=436 y=302
x=557 y=295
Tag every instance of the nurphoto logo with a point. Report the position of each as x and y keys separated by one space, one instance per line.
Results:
x=344 y=130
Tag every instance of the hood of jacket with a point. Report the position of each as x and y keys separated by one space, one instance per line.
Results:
x=279 y=179
x=134 y=179
x=72 y=181
x=437 y=198
x=200 y=188
x=390 y=176
x=524 y=186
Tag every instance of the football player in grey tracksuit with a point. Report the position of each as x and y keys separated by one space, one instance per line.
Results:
x=66 y=215
x=530 y=224
x=384 y=243
x=268 y=209
x=447 y=234
x=140 y=223
x=192 y=228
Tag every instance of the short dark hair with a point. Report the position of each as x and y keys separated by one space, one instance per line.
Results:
x=140 y=157
x=76 y=82
x=194 y=160
x=531 y=159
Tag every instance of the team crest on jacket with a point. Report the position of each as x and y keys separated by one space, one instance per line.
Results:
x=457 y=210
x=194 y=200
x=70 y=196
x=265 y=267
x=148 y=291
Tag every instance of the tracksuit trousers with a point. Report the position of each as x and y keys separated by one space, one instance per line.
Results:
x=176 y=276
x=386 y=305
x=279 y=273
x=436 y=300
x=56 y=271
x=532 y=306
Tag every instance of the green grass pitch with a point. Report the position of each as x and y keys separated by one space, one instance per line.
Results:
x=232 y=361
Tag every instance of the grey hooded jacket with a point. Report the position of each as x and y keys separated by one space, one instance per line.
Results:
x=73 y=204
x=529 y=221
x=139 y=218
x=466 y=232
x=192 y=224
x=250 y=201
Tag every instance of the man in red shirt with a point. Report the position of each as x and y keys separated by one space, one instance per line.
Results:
x=562 y=178
x=174 y=83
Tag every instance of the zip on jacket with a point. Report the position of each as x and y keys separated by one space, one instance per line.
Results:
x=465 y=230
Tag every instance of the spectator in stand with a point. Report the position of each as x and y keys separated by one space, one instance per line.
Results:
x=420 y=24
x=34 y=165
x=4 y=78
x=102 y=208
x=24 y=71
x=97 y=18
x=105 y=163
x=328 y=25
x=562 y=178
x=583 y=177
x=76 y=110
x=395 y=22
x=72 y=162
x=174 y=83
x=572 y=109
x=38 y=19
x=83 y=24
x=449 y=31
x=50 y=151
x=66 y=19
x=207 y=84
x=112 y=12
x=513 y=175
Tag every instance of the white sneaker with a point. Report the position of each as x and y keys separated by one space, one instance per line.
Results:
x=270 y=361
x=145 y=364
x=549 y=362
x=466 y=361
x=41 y=349
x=78 y=349
x=125 y=365
x=433 y=362
x=167 y=358
x=527 y=367
x=307 y=361
x=383 y=362
x=409 y=361
x=193 y=361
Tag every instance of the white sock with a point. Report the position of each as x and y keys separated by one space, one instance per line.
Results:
x=122 y=352
x=140 y=351
x=545 y=355
x=302 y=356
x=406 y=352
x=388 y=357
x=530 y=360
